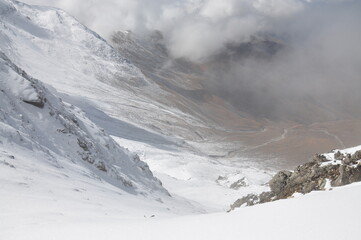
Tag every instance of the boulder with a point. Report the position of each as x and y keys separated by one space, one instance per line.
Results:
x=338 y=155
x=356 y=156
x=348 y=160
x=279 y=181
x=319 y=158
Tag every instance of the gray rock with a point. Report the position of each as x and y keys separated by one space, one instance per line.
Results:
x=240 y=183
x=279 y=181
x=101 y=167
x=40 y=103
x=338 y=155
x=319 y=158
x=356 y=156
x=309 y=186
x=308 y=177
x=355 y=175
x=348 y=160
x=342 y=179
x=249 y=200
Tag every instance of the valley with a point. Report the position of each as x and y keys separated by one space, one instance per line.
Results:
x=114 y=136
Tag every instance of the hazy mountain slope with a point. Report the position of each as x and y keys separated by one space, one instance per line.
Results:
x=63 y=53
x=184 y=80
x=163 y=96
x=256 y=117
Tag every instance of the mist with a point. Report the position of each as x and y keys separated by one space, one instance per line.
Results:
x=314 y=74
x=193 y=29
x=281 y=59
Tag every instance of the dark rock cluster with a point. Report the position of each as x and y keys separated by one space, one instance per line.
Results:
x=311 y=176
x=239 y=184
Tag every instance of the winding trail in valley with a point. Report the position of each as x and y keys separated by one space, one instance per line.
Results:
x=334 y=136
x=342 y=145
x=273 y=140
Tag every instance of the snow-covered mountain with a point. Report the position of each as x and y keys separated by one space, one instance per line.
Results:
x=53 y=158
x=87 y=129
x=33 y=118
x=76 y=58
x=167 y=130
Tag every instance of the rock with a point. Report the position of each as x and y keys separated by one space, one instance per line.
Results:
x=348 y=159
x=342 y=179
x=253 y=199
x=83 y=145
x=319 y=158
x=309 y=186
x=249 y=200
x=64 y=131
x=266 y=197
x=101 y=167
x=356 y=156
x=240 y=183
x=40 y=103
x=355 y=174
x=221 y=178
x=279 y=181
x=308 y=177
x=322 y=184
x=338 y=155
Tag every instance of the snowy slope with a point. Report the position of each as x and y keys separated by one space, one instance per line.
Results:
x=53 y=46
x=33 y=118
x=80 y=208
x=55 y=162
x=83 y=69
x=320 y=215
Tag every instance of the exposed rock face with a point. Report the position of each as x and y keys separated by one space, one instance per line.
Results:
x=341 y=170
x=279 y=182
x=253 y=199
x=239 y=183
x=233 y=181
x=338 y=155
x=356 y=155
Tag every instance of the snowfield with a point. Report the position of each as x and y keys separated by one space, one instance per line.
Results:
x=319 y=215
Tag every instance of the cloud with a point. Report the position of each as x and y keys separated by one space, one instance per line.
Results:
x=317 y=67
x=193 y=28
x=319 y=62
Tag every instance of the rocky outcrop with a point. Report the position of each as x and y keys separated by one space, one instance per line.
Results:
x=239 y=184
x=338 y=170
x=233 y=181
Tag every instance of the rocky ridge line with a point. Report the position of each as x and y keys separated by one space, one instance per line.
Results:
x=324 y=171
